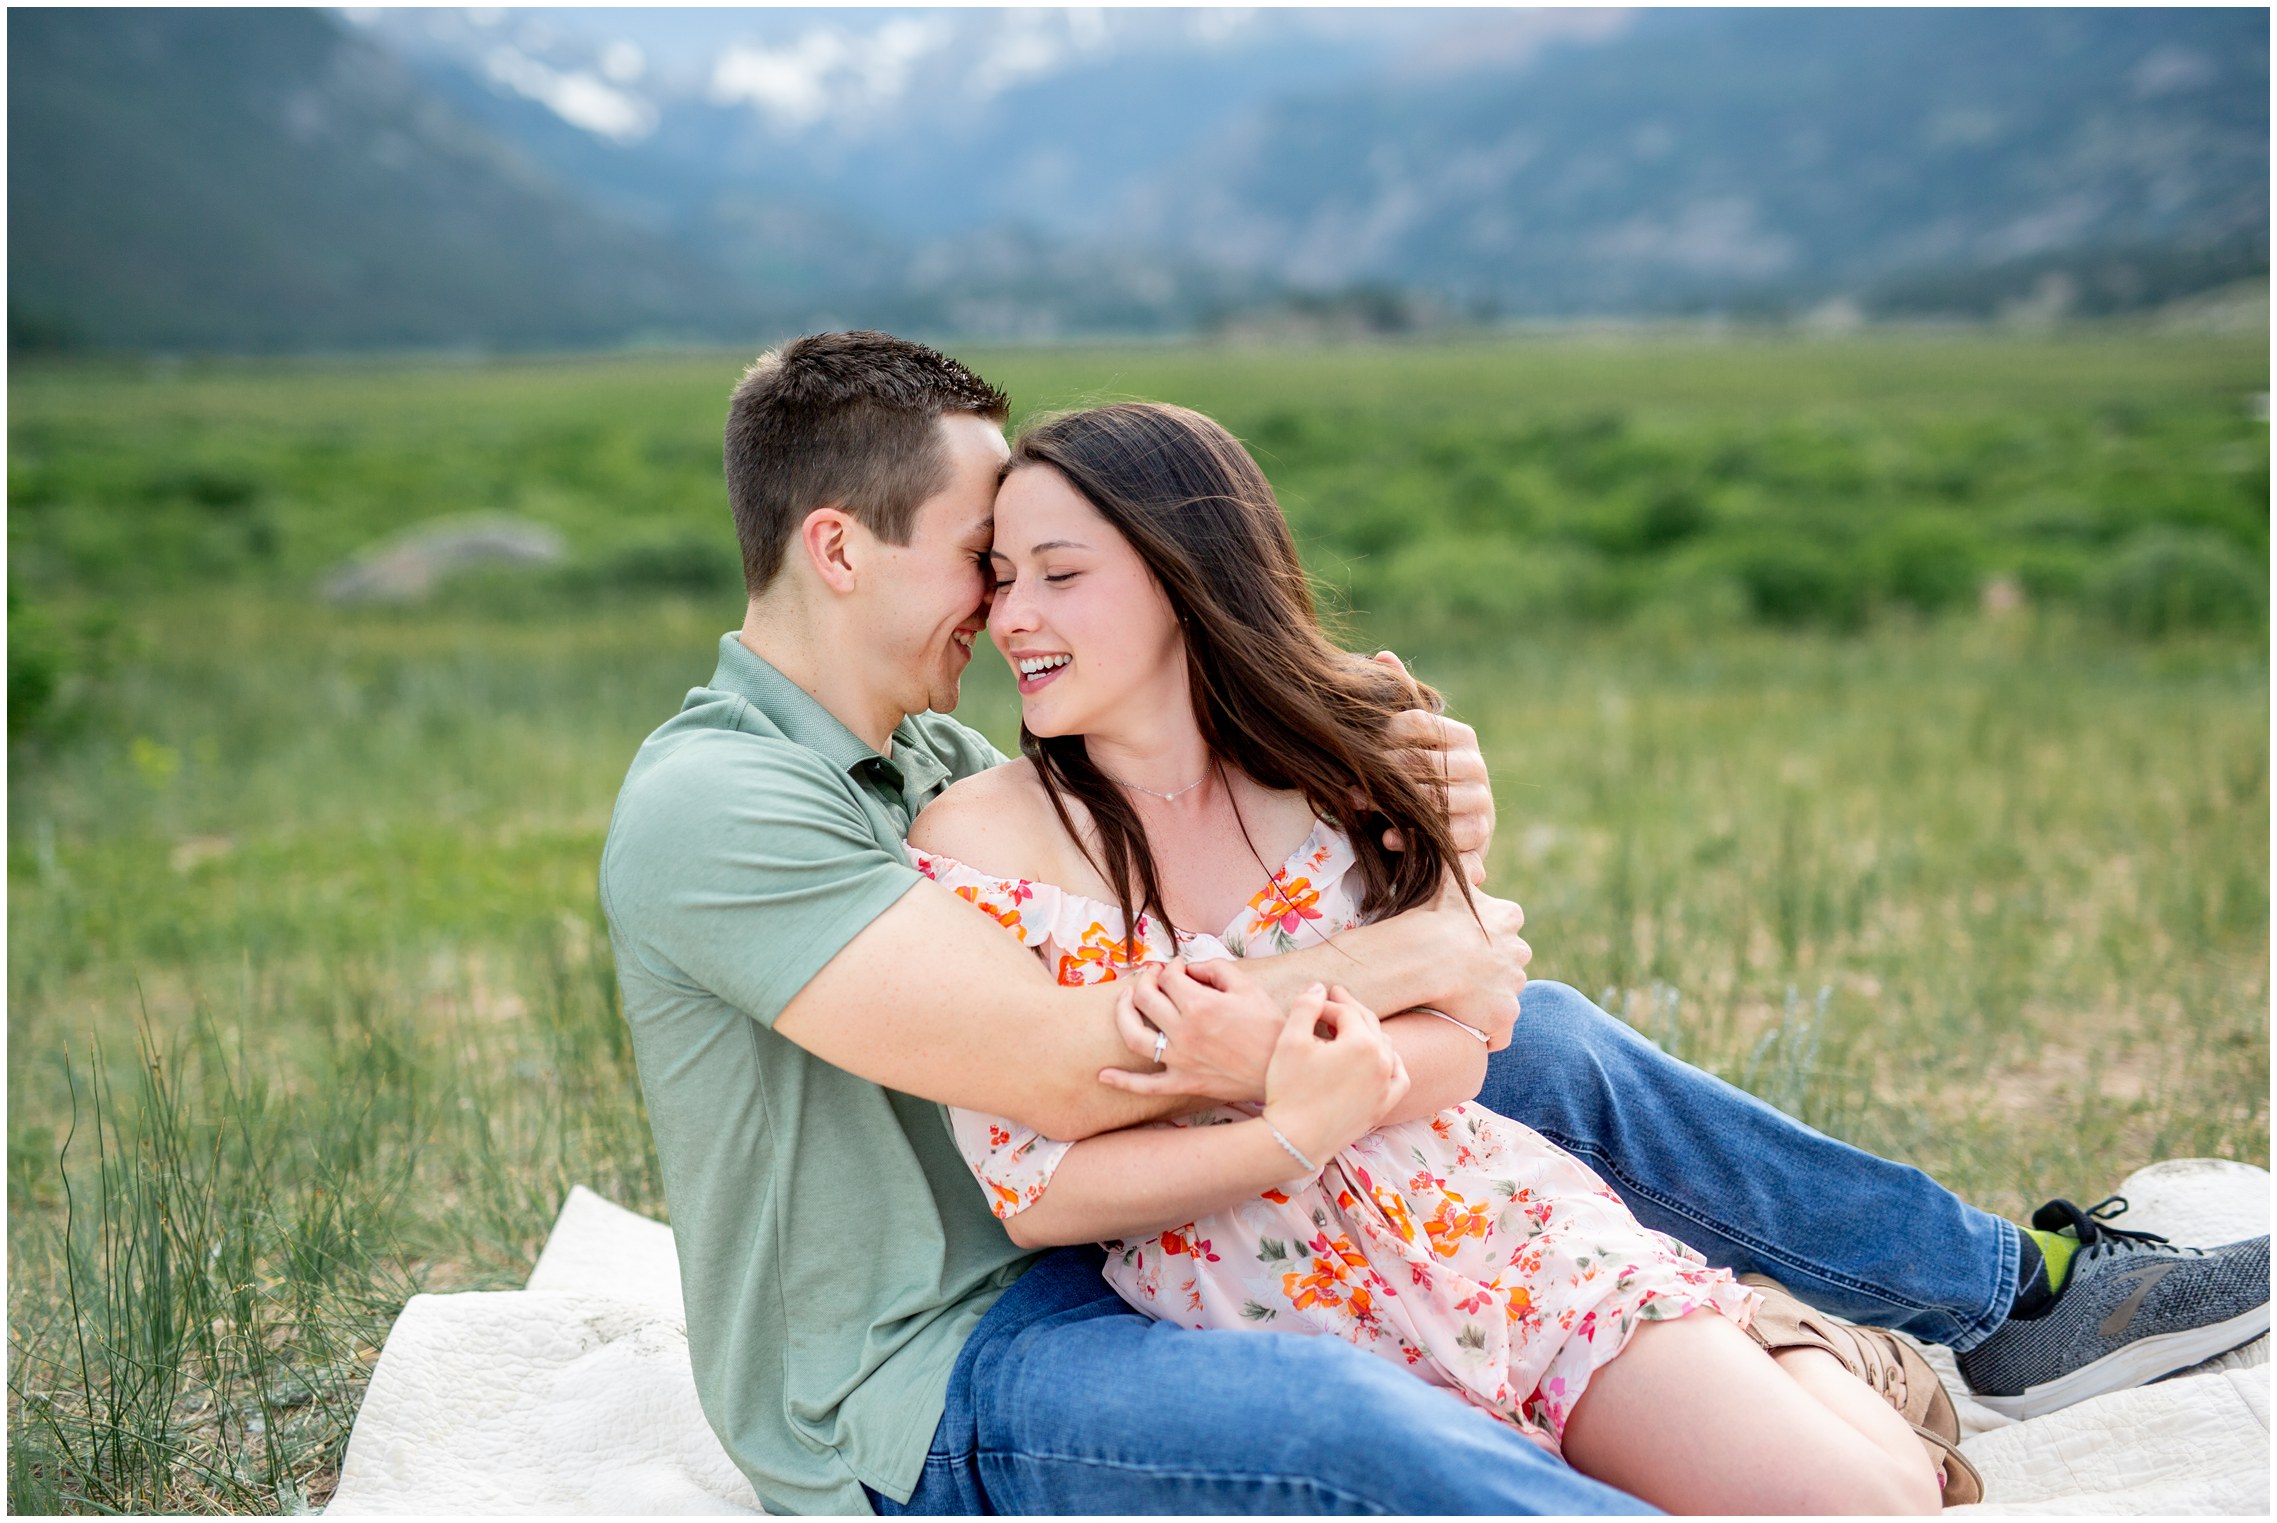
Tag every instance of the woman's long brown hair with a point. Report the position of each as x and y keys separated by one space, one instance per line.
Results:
x=1273 y=696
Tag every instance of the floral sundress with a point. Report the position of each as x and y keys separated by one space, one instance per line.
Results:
x=1467 y=1247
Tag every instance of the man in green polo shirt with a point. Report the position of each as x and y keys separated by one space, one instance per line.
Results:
x=802 y=1005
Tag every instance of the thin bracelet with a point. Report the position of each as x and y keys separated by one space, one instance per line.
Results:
x=1290 y=1148
x=1463 y=1026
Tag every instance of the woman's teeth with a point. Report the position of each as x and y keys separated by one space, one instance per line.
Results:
x=1034 y=666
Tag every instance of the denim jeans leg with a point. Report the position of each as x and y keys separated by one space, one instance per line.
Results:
x=1749 y=1186
x=1067 y=1401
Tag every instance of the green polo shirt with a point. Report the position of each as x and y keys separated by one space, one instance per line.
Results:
x=834 y=1251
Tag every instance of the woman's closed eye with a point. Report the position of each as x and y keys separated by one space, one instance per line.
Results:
x=1049 y=579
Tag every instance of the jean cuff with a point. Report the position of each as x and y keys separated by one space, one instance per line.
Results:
x=2003 y=1290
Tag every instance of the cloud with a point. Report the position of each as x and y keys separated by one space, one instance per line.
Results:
x=581 y=99
x=791 y=85
x=622 y=62
x=827 y=72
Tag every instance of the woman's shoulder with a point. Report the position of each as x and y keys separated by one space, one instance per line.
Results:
x=999 y=822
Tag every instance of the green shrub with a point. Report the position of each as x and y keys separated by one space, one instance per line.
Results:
x=687 y=562
x=1480 y=500
x=2058 y=521
x=217 y=491
x=2169 y=580
x=1645 y=523
x=1280 y=429
x=55 y=669
x=1362 y=522
x=1446 y=583
x=35 y=667
x=1793 y=581
x=1671 y=515
x=1928 y=561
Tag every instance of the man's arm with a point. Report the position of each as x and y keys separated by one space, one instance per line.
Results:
x=931 y=999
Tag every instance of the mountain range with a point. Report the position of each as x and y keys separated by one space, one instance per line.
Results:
x=273 y=179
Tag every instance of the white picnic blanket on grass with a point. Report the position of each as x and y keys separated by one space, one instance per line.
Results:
x=575 y=1395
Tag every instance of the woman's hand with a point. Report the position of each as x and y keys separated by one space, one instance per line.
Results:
x=1332 y=1076
x=1221 y=1023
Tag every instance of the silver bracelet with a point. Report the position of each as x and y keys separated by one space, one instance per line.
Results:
x=1463 y=1026
x=1290 y=1148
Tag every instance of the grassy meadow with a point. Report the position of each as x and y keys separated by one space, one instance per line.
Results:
x=1882 y=723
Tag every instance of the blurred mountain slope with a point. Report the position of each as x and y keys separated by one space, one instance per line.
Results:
x=1704 y=156
x=250 y=180
x=276 y=179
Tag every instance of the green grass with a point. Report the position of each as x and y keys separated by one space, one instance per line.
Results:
x=310 y=1007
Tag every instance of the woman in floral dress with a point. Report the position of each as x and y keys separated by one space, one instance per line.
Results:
x=1464 y=1246
x=1198 y=755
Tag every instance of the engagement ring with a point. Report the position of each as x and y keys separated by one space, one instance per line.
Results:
x=1161 y=1044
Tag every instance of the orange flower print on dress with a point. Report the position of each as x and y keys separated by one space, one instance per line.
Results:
x=1099 y=958
x=997 y=898
x=1455 y=1220
x=1004 y=916
x=1329 y=1283
x=1384 y=1247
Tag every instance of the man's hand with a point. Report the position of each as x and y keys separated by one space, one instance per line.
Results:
x=1490 y=970
x=1445 y=753
x=1221 y=1024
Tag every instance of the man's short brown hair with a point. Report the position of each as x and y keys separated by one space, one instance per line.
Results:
x=845 y=419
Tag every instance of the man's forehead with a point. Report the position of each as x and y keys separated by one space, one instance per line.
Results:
x=969 y=430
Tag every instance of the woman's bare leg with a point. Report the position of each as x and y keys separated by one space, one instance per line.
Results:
x=1849 y=1398
x=1694 y=1418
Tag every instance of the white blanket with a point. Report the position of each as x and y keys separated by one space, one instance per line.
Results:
x=575 y=1395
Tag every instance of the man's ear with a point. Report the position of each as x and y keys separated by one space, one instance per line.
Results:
x=829 y=538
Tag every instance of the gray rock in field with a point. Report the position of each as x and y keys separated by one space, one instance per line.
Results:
x=411 y=565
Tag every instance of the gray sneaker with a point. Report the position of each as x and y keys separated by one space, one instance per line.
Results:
x=2134 y=1308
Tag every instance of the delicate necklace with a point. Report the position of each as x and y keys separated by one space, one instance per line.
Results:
x=1153 y=792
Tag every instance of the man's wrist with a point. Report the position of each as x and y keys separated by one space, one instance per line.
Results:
x=1429 y=949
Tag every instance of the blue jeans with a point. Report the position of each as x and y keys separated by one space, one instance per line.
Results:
x=1065 y=1400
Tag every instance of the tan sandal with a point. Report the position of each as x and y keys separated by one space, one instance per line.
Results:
x=1891 y=1367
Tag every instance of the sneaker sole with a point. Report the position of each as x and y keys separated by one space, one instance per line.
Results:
x=2138 y=1363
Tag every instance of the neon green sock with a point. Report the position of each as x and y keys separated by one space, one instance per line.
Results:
x=2056 y=1249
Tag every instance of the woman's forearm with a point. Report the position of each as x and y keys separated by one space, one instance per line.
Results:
x=1147 y=1179
x=1446 y=1064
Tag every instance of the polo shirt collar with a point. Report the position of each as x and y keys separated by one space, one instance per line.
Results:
x=793 y=710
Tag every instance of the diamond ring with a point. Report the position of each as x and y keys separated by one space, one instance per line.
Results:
x=1161 y=1045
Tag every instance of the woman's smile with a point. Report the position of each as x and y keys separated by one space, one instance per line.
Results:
x=1036 y=670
